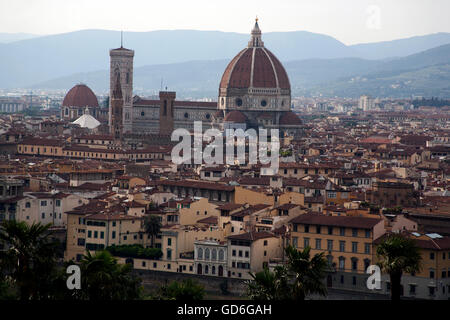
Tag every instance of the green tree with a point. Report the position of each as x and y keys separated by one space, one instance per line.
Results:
x=299 y=277
x=29 y=259
x=153 y=226
x=187 y=290
x=308 y=273
x=102 y=278
x=397 y=254
x=268 y=285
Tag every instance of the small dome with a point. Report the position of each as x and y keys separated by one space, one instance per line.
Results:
x=87 y=121
x=235 y=116
x=80 y=96
x=289 y=118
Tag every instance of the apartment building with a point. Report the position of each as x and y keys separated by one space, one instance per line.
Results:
x=347 y=242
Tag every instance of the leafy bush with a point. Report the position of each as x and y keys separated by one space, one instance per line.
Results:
x=135 y=251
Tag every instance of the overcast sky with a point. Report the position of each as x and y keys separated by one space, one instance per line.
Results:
x=350 y=21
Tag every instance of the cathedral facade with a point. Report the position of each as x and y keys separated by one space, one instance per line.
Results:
x=254 y=92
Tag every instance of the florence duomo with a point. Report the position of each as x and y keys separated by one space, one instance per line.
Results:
x=252 y=154
x=254 y=92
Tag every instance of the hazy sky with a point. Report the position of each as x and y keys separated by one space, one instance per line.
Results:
x=350 y=21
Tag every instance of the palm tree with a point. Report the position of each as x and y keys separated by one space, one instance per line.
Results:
x=308 y=273
x=268 y=285
x=397 y=254
x=152 y=227
x=300 y=277
x=30 y=258
x=102 y=278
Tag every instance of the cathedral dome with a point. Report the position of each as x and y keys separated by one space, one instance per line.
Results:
x=236 y=117
x=80 y=96
x=255 y=67
x=289 y=118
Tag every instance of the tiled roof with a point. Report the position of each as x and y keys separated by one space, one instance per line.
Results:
x=339 y=221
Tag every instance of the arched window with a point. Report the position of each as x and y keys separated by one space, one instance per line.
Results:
x=206 y=254
x=213 y=270
x=200 y=253
x=221 y=255
x=214 y=254
x=206 y=269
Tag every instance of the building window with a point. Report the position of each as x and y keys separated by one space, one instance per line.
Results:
x=354 y=232
x=341 y=263
x=330 y=230
x=207 y=254
x=342 y=231
x=354 y=264
x=89 y=234
x=102 y=235
x=354 y=247
x=318 y=243
x=330 y=245
x=431 y=255
x=306 y=242
x=431 y=274
x=221 y=255
x=342 y=246
x=306 y=228
x=169 y=241
x=233 y=253
x=95 y=234
x=295 y=242
x=43 y=203
x=431 y=291
x=113 y=235
x=366 y=264
x=367 y=233
x=247 y=254
x=169 y=254
x=412 y=289
x=200 y=253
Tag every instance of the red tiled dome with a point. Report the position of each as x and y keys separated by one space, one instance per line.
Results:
x=235 y=116
x=80 y=96
x=268 y=72
x=290 y=118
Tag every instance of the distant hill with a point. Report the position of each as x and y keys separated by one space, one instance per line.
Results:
x=11 y=37
x=426 y=73
x=27 y=62
x=401 y=47
x=35 y=60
